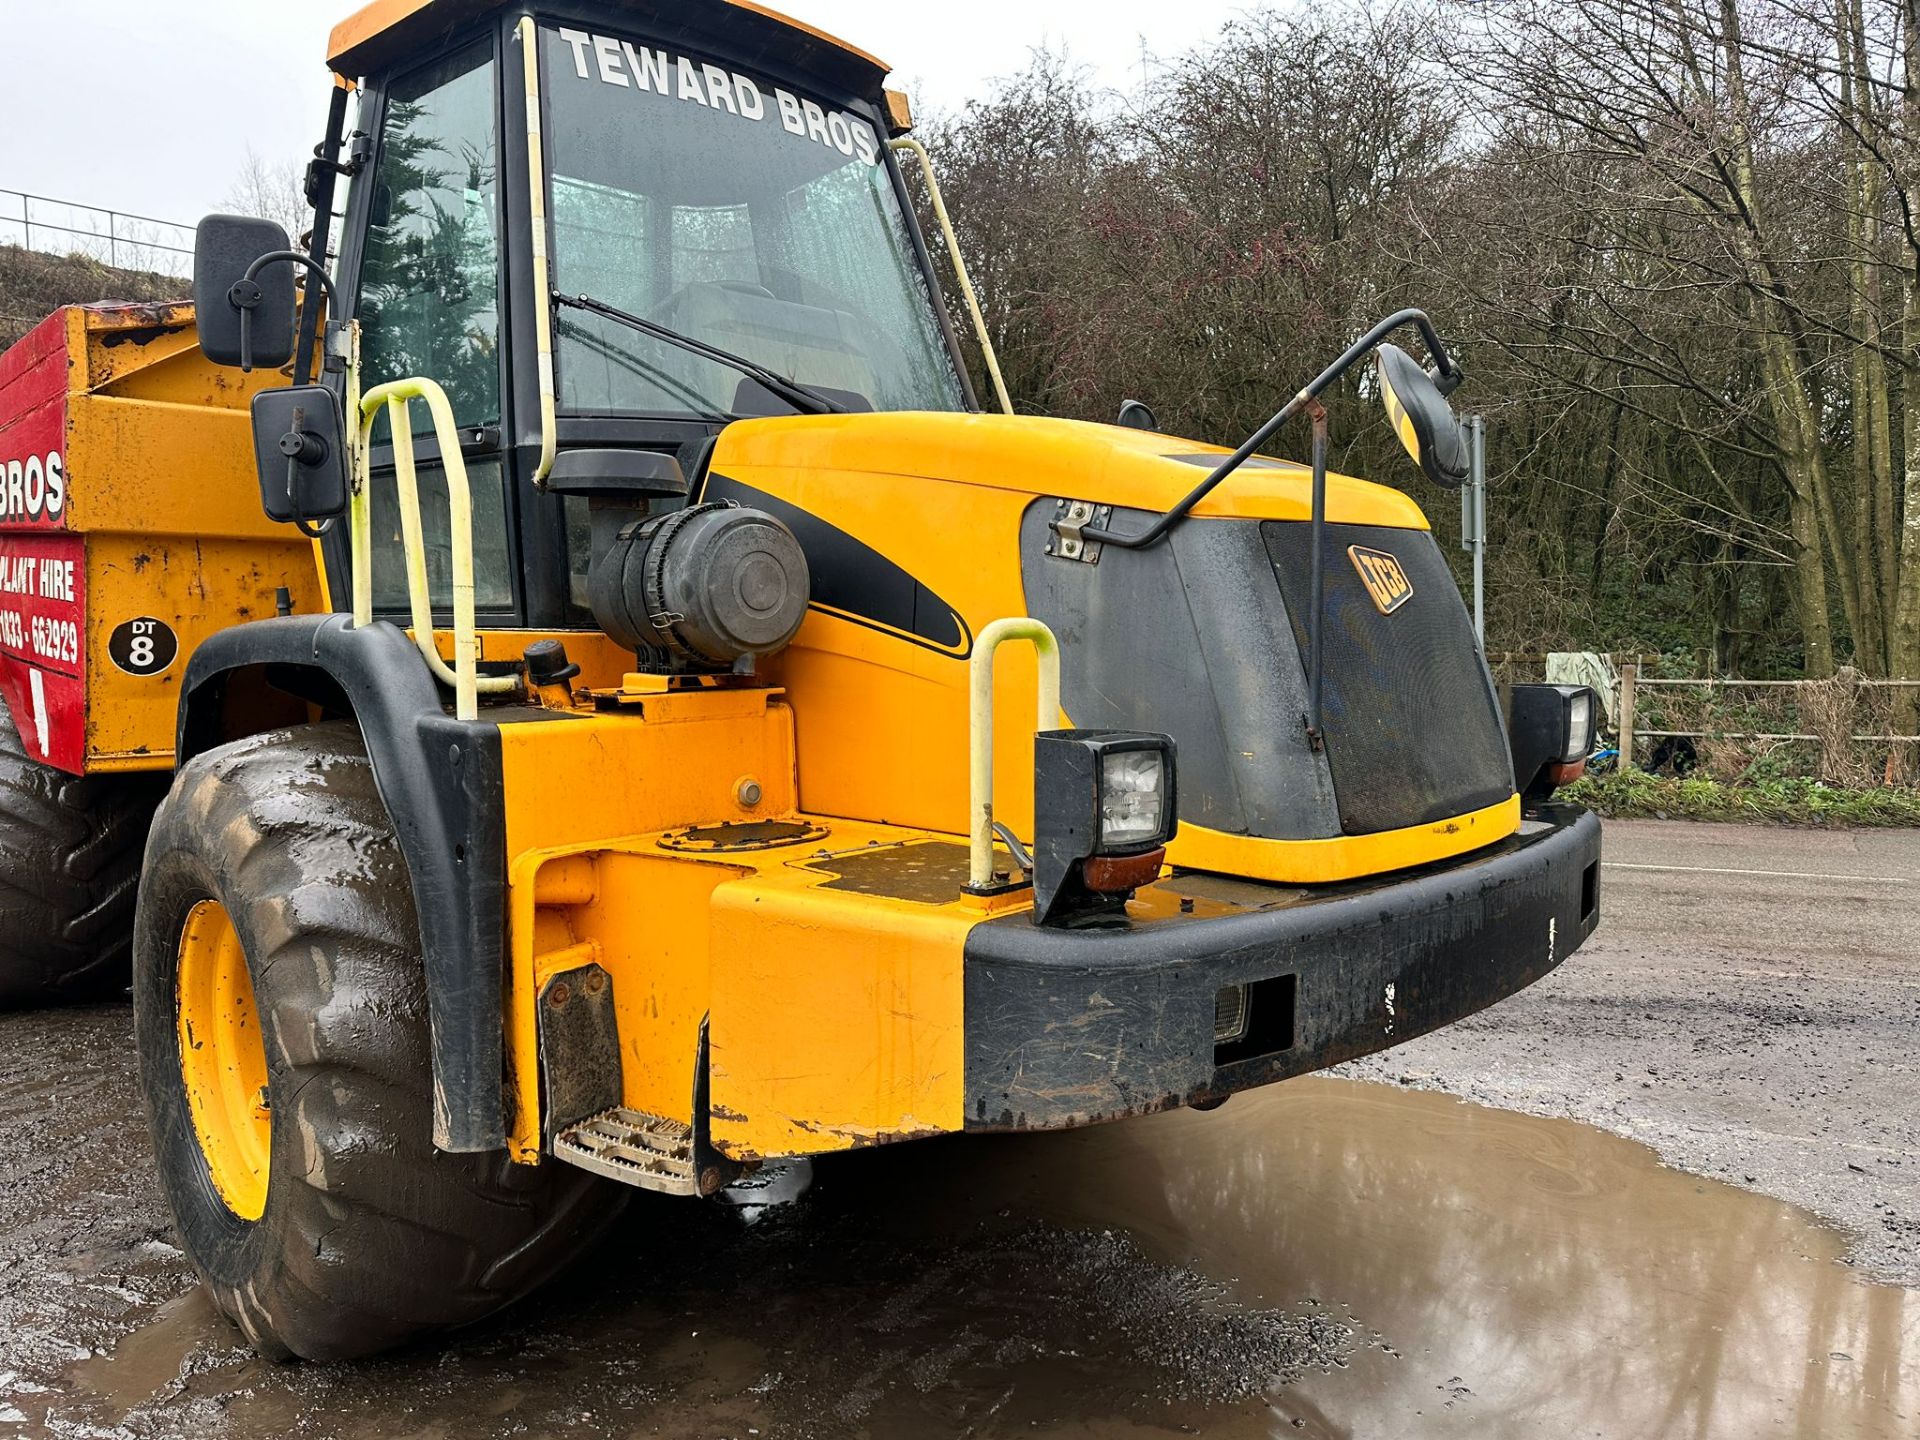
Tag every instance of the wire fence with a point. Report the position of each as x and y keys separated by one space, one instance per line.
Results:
x=1850 y=730
x=112 y=237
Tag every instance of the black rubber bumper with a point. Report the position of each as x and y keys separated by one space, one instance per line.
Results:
x=1067 y=1028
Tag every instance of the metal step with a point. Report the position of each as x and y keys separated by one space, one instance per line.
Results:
x=633 y=1148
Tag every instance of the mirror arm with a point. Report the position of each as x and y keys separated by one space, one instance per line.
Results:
x=1445 y=371
x=302 y=447
x=323 y=179
x=1317 y=626
x=1448 y=380
x=246 y=295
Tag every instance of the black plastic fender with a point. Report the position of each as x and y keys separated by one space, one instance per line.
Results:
x=442 y=784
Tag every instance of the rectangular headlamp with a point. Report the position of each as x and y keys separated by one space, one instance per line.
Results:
x=1105 y=806
x=1579 y=746
x=1551 y=729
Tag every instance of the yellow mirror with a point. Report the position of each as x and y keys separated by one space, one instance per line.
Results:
x=1422 y=418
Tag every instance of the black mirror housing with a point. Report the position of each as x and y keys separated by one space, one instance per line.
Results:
x=1422 y=419
x=1138 y=415
x=300 y=447
x=224 y=248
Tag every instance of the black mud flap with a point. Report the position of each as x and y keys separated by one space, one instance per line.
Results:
x=442 y=783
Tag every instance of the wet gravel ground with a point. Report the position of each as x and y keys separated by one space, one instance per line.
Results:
x=882 y=1302
x=81 y=1218
x=1750 y=1008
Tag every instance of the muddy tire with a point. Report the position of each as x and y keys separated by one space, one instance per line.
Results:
x=362 y=1235
x=69 y=869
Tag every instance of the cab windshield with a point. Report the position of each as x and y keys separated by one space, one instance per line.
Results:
x=736 y=211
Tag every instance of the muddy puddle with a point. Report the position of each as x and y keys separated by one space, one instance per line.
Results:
x=1326 y=1259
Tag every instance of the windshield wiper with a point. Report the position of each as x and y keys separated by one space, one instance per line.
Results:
x=698 y=405
x=803 y=398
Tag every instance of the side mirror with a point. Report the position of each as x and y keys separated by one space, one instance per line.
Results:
x=300 y=447
x=224 y=248
x=1137 y=415
x=1422 y=418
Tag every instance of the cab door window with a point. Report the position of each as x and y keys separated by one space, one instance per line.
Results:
x=430 y=307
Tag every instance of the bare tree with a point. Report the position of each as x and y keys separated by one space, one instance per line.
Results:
x=1678 y=240
x=272 y=190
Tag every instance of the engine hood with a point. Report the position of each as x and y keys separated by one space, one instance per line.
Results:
x=921 y=530
x=1129 y=469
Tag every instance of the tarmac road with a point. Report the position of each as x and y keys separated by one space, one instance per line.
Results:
x=1327 y=1258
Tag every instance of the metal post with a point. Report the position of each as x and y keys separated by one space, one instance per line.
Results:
x=1629 y=692
x=1473 y=521
x=1317 y=620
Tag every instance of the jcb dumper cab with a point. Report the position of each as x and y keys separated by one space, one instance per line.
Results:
x=659 y=810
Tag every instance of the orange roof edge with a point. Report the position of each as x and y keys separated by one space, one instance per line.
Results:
x=382 y=15
x=367 y=22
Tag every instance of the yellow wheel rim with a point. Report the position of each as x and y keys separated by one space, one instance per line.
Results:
x=223 y=1060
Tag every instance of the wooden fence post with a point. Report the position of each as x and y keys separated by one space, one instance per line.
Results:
x=1629 y=688
x=1836 y=709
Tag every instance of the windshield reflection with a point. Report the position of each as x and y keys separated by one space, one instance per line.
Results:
x=720 y=205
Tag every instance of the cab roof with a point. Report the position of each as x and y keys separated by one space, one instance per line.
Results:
x=389 y=31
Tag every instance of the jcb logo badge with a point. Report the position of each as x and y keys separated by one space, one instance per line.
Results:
x=1386 y=582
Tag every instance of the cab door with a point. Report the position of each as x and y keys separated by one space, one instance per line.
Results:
x=424 y=259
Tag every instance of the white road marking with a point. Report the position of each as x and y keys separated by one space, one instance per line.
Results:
x=38 y=684
x=1762 y=874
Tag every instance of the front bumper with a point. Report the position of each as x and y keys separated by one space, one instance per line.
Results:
x=1067 y=1028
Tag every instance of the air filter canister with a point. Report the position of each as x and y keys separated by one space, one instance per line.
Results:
x=702 y=589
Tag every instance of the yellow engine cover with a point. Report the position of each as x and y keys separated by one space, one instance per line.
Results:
x=920 y=515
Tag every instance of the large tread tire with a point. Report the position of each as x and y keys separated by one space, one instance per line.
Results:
x=370 y=1237
x=69 y=871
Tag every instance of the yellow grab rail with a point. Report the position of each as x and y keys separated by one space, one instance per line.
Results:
x=980 y=871
x=907 y=145
x=542 y=283
x=359 y=502
x=396 y=396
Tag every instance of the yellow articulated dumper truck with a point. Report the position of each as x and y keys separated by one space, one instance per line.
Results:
x=632 y=798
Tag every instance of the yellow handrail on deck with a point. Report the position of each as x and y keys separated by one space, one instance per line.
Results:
x=980 y=870
x=542 y=279
x=396 y=396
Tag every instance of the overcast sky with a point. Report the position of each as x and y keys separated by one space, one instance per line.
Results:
x=149 y=106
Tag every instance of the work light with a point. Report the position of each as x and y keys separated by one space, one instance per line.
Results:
x=1579 y=727
x=1133 y=796
x=1105 y=806
x=1230 y=1015
x=1550 y=729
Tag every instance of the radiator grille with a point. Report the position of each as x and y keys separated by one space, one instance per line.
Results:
x=1413 y=730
